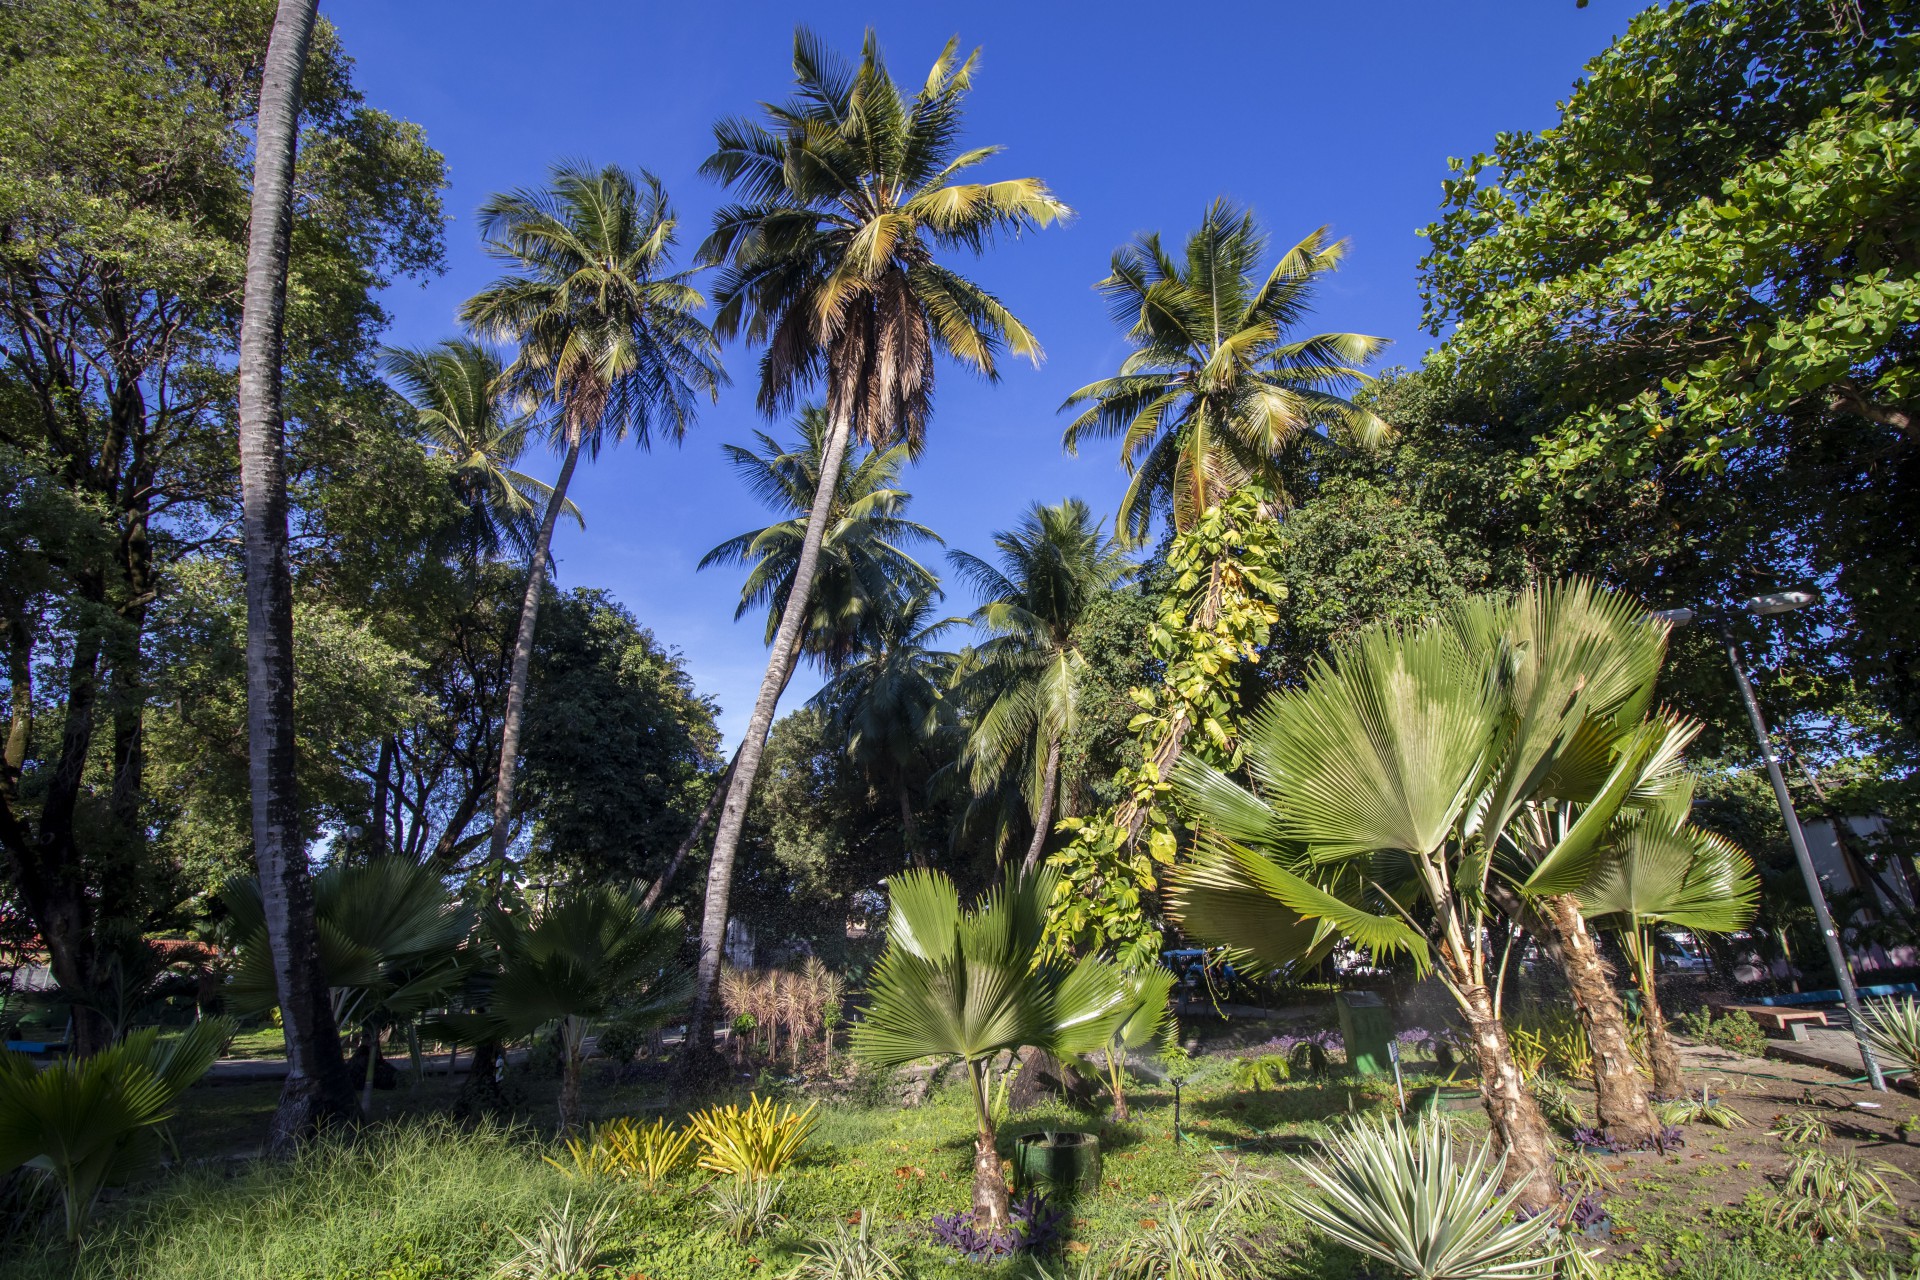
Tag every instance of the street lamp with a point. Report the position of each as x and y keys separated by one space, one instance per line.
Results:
x=1763 y=607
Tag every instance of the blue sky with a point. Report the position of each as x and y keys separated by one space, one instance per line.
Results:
x=1137 y=115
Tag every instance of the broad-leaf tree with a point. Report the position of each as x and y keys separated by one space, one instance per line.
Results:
x=1051 y=567
x=608 y=343
x=1218 y=384
x=969 y=984
x=828 y=261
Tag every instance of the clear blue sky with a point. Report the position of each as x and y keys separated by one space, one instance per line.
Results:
x=1342 y=115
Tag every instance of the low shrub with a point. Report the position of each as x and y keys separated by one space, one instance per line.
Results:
x=756 y=1141
x=1734 y=1031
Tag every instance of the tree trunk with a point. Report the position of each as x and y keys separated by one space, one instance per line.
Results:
x=1668 y=1081
x=523 y=657
x=698 y=1056
x=909 y=828
x=1520 y=1131
x=1622 y=1098
x=707 y=811
x=382 y=785
x=317 y=1087
x=1043 y=820
x=480 y=1093
x=989 y=1181
x=573 y=1035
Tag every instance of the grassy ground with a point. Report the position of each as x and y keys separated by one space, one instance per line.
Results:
x=416 y=1198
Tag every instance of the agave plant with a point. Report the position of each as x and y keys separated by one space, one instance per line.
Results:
x=1400 y=1197
x=92 y=1123
x=972 y=984
x=1892 y=1028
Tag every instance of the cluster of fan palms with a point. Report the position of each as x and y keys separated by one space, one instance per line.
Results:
x=775 y=1008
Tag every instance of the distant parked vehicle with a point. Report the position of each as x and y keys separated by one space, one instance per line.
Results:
x=1679 y=953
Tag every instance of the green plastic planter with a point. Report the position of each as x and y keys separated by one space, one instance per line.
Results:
x=1057 y=1160
x=1440 y=1097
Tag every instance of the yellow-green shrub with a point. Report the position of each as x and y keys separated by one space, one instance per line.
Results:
x=756 y=1142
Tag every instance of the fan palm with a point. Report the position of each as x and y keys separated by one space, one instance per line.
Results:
x=971 y=984
x=1055 y=564
x=889 y=703
x=454 y=390
x=1146 y=1019
x=828 y=261
x=1216 y=387
x=89 y=1123
x=608 y=342
x=1390 y=784
x=1659 y=870
x=590 y=951
x=389 y=939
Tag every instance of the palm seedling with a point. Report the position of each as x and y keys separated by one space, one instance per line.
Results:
x=1401 y=1198
x=389 y=936
x=1146 y=1019
x=969 y=984
x=91 y=1123
x=828 y=260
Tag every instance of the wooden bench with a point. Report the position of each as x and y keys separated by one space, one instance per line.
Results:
x=1792 y=1021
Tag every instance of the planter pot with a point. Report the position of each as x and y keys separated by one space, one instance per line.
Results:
x=1057 y=1160
x=1442 y=1097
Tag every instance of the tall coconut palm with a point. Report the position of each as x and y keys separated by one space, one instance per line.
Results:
x=889 y=704
x=1055 y=564
x=1217 y=386
x=317 y=1087
x=970 y=985
x=1661 y=870
x=1389 y=787
x=828 y=261
x=608 y=343
x=454 y=390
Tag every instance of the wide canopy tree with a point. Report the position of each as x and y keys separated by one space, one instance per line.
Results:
x=828 y=261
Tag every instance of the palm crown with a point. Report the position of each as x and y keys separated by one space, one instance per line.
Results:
x=863 y=555
x=1217 y=387
x=827 y=259
x=1051 y=567
x=607 y=332
x=454 y=391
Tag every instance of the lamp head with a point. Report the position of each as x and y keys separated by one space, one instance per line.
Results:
x=1673 y=617
x=1779 y=602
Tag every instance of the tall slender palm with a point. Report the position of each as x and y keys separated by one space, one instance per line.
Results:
x=608 y=342
x=317 y=1087
x=454 y=390
x=1216 y=386
x=828 y=261
x=888 y=701
x=1051 y=568
x=1661 y=870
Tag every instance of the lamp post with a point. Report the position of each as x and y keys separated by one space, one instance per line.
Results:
x=1762 y=607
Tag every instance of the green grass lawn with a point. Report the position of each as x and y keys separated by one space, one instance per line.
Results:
x=415 y=1197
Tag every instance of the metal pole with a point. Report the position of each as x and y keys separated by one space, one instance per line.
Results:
x=1799 y=841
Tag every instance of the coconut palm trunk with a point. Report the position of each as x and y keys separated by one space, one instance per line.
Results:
x=317 y=1087
x=1043 y=820
x=699 y=1055
x=523 y=655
